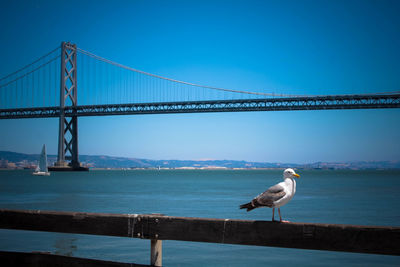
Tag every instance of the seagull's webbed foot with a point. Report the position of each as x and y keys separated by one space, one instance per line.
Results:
x=280 y=217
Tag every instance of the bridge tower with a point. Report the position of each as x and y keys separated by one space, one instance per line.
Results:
x=68 y=126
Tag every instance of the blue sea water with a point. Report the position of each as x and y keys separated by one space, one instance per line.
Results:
x=366 y=197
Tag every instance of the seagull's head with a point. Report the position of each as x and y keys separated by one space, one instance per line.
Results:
x=289 y=173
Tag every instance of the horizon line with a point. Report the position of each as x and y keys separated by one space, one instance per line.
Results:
x=276 y=162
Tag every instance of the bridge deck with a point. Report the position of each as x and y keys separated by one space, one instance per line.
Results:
x=268 y=104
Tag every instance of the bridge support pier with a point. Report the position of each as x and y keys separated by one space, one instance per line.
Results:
x=68 y=127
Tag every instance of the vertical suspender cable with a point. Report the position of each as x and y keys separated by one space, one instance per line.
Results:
x=94 y=78
x=33 y=88
x=125 y=92
x=81 y=77
x=121 y=87
x=49 y=84
x=44 y=87
x=55 y=86
x=15 y=104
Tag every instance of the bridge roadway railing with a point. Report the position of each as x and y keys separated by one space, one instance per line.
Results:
x=332 y=237
x=268 y=104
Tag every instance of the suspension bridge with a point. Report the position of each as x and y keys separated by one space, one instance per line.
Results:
x=48 y=87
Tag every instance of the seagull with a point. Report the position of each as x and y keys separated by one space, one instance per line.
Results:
x=276 y=196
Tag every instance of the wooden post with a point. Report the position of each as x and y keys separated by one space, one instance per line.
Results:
x=156 y=253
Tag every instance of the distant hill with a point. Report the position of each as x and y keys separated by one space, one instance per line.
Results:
x=25 y=160
x=120 y=162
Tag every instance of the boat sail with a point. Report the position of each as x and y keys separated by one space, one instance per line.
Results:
x=41 y=169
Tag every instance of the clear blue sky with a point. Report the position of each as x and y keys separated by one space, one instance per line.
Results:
x=292 y=47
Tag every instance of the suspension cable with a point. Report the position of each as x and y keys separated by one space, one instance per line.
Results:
x=27 y=66
x=211 y=87
x=177 y=81
x=155 y=76
x=26 y=74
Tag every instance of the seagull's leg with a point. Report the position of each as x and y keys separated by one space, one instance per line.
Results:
x=280 y=217
x=273 y=213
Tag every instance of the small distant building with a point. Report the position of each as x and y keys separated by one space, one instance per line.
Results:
x=11 y=165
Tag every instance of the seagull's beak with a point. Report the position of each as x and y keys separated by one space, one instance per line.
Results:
x=296 y=175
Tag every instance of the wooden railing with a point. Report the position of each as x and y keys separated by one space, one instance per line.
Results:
x=334 y=237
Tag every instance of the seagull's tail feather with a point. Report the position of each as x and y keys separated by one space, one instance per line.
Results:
x=249 y=206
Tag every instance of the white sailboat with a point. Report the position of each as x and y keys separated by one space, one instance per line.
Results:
x=41 y=169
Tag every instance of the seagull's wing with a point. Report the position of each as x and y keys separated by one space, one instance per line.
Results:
x=275 y=189
x=274 y=193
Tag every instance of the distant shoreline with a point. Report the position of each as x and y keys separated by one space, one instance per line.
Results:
x=214 y=169
x=13 y=160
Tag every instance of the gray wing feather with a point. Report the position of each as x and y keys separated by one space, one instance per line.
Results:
x=274 y=193
x=275 y=189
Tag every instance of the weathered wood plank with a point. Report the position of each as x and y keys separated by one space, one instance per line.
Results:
x=66 y=222
x=350 y=238
x=8 y=258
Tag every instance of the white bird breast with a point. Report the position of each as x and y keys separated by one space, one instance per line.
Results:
x=289 y=186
